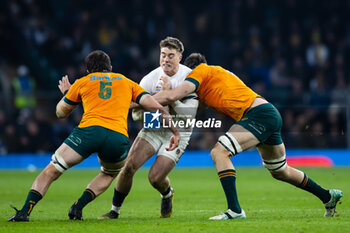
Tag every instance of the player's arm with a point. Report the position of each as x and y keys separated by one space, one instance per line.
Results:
x=166 y=97
x=134 y=105
x=149 y=103
x=145 y=83
x=63 y=109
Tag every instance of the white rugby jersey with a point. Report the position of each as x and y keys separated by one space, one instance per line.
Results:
x=151 y=82
x=185 y=108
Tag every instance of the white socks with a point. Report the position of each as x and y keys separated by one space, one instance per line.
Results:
x=116 y=209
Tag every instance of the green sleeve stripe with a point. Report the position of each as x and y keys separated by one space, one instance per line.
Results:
x=192 y=80
x=70 y=102
x=140 y=95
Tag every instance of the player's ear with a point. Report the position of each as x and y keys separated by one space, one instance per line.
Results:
x=110 y=68
x=180 y=57
x=88 y=71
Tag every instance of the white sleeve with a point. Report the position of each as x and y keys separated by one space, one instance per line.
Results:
x=146 y=84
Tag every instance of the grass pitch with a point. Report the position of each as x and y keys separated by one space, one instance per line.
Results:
x=270 y=205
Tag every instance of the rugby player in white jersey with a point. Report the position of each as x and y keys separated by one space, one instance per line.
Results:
x=151 y=141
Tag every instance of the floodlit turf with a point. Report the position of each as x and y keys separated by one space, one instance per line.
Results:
x=270 y=205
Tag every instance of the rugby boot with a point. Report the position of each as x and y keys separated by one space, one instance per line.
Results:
x=75 y=213
x=18 y=217
x=229 y=214
x=166 y=205
x=110 y=215
x=330 y=206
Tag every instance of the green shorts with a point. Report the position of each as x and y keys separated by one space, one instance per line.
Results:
x=265 y=122
x=110 y=146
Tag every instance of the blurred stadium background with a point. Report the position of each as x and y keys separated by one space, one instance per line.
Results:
x=294 y=53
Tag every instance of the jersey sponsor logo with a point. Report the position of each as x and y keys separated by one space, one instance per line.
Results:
x=105 y=78
x=151 y=120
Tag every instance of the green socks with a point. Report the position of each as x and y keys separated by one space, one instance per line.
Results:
x=32 y=198
x=228 y=182
x=88 y=196
x=312 y=187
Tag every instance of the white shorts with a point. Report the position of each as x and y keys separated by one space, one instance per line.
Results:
x=160 y=140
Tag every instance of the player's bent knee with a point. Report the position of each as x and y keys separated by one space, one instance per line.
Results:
x=277 y=167
x=129 y=169
x=58 y=162
x=279 y=175
x=154 y=179
x=229 y=143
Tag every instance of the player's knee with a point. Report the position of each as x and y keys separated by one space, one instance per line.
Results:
x=129 y=169
x=228 y=145
x=154 y=179
x=217 y=152
x=279 y=175
x=58 y=162
x=52 y=173
x=277 y=168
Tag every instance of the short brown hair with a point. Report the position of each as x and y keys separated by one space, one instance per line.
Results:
x=98 y=61
x=194 y=60
x=172 y=43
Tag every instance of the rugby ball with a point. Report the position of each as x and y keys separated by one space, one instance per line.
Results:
x=137 y=114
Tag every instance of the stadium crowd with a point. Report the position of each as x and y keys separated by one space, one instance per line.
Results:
x=294 y=53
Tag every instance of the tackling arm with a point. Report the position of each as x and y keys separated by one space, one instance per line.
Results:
x=166 y=97
x=134 y=105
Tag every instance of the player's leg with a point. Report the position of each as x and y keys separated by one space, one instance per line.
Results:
x=112 y=148
x=64 y=158
x=96 y=187
x=158 y=177
x=158 y=174
x=140 y=151
x=162 y=166
x=107 y=174
x=257 y=124
x=267 y=128
x=274 y=158
x=236 y=140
